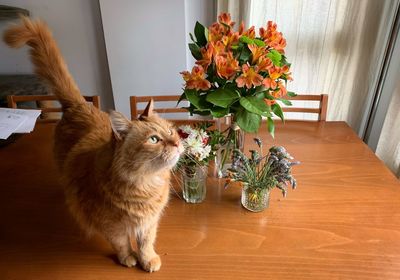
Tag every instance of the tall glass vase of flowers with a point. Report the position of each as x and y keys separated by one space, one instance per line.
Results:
x=200 y=147
x=237 y=74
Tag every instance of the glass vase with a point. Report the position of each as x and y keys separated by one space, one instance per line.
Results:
x=255 y=200
x=234 y=139
x=194 y=179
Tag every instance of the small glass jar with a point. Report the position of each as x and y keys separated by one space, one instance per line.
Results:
x=255 y=200
x=194 y=181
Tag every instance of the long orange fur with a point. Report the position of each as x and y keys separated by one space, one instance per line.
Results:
x=116 y=172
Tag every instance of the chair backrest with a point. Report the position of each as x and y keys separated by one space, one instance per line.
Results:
x=135 y=111
x=321 y=110
x=13 y=101
x=135 y=100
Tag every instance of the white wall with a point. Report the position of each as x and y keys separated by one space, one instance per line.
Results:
x=146 y=45
x=77 y=27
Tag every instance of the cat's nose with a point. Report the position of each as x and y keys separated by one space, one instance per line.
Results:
x=176 y=143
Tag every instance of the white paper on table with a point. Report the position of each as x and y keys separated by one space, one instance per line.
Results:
x=9 y=123
x=30 y=121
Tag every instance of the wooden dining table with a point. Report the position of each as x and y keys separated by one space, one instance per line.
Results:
x=342 y=221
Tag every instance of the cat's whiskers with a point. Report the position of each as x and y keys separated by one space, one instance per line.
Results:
x=179 y=180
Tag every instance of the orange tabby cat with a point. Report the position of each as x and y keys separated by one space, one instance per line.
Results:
x=116 y=171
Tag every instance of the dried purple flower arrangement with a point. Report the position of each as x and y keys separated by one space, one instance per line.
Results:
x=259 y=174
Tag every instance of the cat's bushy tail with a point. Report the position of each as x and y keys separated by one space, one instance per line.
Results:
x=46 y=57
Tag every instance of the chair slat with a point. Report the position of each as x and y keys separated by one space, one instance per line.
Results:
x=51 y=110
x=301 y=110
x=157 y=98
x=167 y=110
x=13 y=101
x=306 y=97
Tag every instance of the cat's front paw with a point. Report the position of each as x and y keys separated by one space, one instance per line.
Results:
x=152 y=264
x=129 y=261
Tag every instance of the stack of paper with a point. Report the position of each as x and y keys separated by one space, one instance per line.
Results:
x=17 y=121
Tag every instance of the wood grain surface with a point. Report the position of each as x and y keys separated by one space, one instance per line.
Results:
x=343 y=221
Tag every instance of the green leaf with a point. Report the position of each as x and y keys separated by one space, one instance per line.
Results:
x=201 y=112
x=285 y=101
x=246 y=40
x=200 y=33
x=248 y=121
x=260 y=94
x=195 y=50
x=192 y=97
x=206 y=34
x=245 y=54
x=255 y=105
x=271 y=127
x=259 y=42
x=277 y=111
x=182 y=97
x=268 y=96
x=197 y=100
x=275 y=56
x=191 y=37
x=219 y=112
x=222 y=97
x=291 y=94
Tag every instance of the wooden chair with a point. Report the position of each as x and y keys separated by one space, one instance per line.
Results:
x=135 y=111
x=13 y=101
x=321 y=110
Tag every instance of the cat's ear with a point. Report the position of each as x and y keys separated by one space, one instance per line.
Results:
x=149 y=111
x=119 y=124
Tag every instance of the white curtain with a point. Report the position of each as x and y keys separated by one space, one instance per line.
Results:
x=239 y=10
x=388 y=148
x=335 y=46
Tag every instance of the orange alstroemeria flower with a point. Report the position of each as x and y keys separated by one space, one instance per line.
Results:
x=269 y=83
x=241 y=28
x=278 y=44
x=225 y=18
x=269 y=102
x=207 y=54
x=257 y=52
x=264 y=64
x=251 y=33
x=275 y=72
x=196 y=79
x=272 y=37
x=285 y=70
x=249 y=77
x=218 y=49
x=215 y=32
x=280 y=91
x=230 y=39
x=227 y=66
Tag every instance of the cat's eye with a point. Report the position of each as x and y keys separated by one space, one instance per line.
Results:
x=170 y=131
x=154 y=139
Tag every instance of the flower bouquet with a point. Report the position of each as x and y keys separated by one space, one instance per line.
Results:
x=200 y=147
x=237 y=74
x=259 y=174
